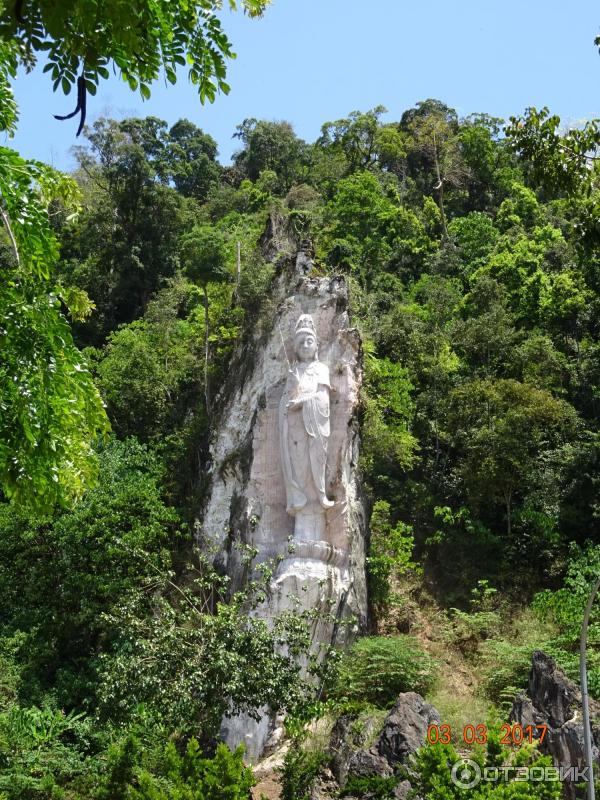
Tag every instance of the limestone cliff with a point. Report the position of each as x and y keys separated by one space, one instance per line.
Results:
x=247 y=498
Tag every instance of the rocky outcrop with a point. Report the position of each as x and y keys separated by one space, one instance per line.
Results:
x=354 y=751
x=554 y=700
x=405 y=728
x=361 y=745
x=352 y=746
x=321 y=566
x=325 y=787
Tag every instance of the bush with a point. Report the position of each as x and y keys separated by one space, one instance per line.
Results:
x=189 y=667
x=506 y=667
x=504 y=660
x=377 y=668
x=374 y=787
x=176 y=777
x=564 y=608
x=467 y=629
x=390 y=555
x=64 y=575
x=299 y=772
x=434 y=780
x=41 y=751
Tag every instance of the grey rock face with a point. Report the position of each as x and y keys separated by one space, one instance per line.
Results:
x=365 y=763
x=322 y=567
x=362 y=747
x=325 y=787
x=405 y=728
x=554 y=700
x=348 y=745
x=401 y=791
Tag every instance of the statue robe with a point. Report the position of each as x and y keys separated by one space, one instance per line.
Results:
x=304 y=435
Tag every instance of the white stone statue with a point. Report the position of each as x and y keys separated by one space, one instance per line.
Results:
x=304 y=434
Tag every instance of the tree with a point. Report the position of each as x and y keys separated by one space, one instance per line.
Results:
x=559 y=163
x=65 y=572
x=147 y=373
x=429 y=350
x=270 y=146
x=191 y=656
x=124 y=243
x=503 y=430
x=474 y=237
x=390 y=555
x=204 y=256
x=367 y=227
x=138 y=38
x=485 y=334
x=190 y=160
x=355 y=136
x=118 y=610
x=489 y=160
x=388 y=446
x=562 y=165
x=433 y=129
x=50 y=410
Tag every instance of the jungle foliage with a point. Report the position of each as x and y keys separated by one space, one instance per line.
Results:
x=472 y=253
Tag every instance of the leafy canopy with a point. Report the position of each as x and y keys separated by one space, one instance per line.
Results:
x=50 y=410
x=138 y=37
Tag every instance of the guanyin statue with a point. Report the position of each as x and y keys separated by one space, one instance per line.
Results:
x=304 y=433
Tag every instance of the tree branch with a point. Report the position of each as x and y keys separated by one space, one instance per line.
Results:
x=11 y=235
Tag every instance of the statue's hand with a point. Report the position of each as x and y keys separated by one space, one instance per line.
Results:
x=294 y=405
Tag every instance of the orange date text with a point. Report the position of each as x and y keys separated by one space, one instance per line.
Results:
x=510 y=735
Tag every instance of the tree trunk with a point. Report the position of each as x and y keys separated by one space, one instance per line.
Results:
x=206 y=353
x=440 y=185
x=442 y=209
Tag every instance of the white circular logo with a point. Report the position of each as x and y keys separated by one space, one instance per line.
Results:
x=466 y=774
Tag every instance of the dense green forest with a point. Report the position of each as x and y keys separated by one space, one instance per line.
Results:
x=472 y=251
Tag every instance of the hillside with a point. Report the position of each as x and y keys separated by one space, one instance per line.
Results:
x=470 y=248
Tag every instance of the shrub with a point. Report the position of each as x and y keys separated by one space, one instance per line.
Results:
x=434 y=780
x=299 y=772
x=65 y=574
x=374 y=787
x=506 y=667
x=564 y=608
x=177 y=777
x=390 y=555
x=504 y=660
x=377 y=668
x=189 y=667
x=41 y=751
x=466 y=629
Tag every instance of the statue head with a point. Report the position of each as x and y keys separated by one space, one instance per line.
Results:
x=305 y=339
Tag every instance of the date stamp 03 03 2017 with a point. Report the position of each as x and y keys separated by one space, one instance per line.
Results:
x=510 y=735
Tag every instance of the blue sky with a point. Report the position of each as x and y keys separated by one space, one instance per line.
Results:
x=310 y=61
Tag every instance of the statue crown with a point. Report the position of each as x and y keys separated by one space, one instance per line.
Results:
x=305 y=324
